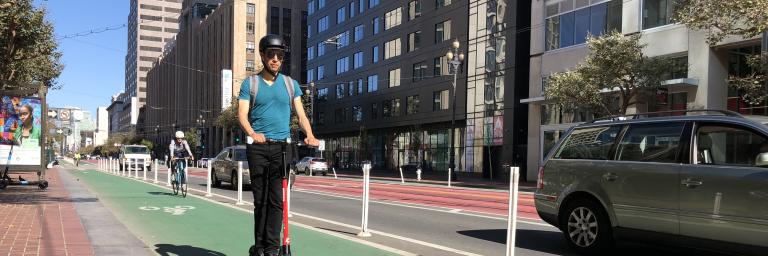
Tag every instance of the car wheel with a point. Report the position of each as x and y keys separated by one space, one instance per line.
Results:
x=306 y=171
x=215 y=179
x=233 y=180
x=586 y=227
x=325 y=173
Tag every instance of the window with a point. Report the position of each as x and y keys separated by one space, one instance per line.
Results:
x=320 y=4
x=375 y=22
x=441 y=3
x=440 y=100
x=565 y=27
x=362 y=7
x=360 y=86
x=322 y=24
x=351 y=90
x=394 y=77
x=374 y=111
x=357 y=114
x=658 y=13
x=414 y=41
x=359 y=31
x=310 y=53
x=311 y=7
x=251 y=8
x=172 y=20
x=310 y=75
x=679 y=68
x=150 y=28
x=352 y=9
x=391 y=108
x=151 y=7
x=375 y=54
x=151 y=17
x=171 y=30
x=342 y=65
x=373 y=83
x=372 y=3
x=320 y=49
x=589 y=143
x=322 y=94
x=172 y=10
x=151 y=38
x=442 y=31
x=320 y=118
x=651 y=143
x=392 y=48
x=341 y=15
x=151 y=49
x=728 y=145
x=250 y=47
x=440 y=66
x=274 y=20
x=412 y=105
x=249 y=65
x=393 y=18
x=419 y=70
x=249 y=27
x=339 y=116
x=340 y=91
x=358 y=60
x=320 y=72
x=343 y=40
x=414 y=9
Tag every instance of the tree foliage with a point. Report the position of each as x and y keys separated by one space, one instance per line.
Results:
x=28 y=50
x=753 y=86
x=744 y=18
x=615 y=63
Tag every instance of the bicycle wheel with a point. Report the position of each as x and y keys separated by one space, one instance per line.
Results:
x=175 y=183
x=183 y=184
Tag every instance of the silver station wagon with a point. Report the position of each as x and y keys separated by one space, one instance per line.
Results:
x=699 y=181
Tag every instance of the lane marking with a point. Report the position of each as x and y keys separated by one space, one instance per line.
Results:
x=348 y=238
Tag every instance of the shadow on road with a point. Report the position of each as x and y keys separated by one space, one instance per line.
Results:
x=160 y=193
x=535 y=240
x=170 y=249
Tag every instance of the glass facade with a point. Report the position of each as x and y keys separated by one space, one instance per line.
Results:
x=567 y=27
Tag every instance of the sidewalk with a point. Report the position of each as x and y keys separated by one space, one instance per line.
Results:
x=41 y=222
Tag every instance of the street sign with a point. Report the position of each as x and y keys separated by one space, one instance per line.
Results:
x=64 y=115
x=321 y=147
x=77 y=115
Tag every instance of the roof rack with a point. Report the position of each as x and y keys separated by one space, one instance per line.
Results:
x=660 y=114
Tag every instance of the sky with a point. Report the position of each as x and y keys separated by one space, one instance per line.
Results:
x=94 y=64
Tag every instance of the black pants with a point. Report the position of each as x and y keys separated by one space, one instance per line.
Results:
x=265 y=163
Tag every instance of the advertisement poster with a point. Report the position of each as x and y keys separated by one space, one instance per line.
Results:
x=20 y=128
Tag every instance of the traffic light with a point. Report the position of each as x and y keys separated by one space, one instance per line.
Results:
x=203 y=146
x=237 y=140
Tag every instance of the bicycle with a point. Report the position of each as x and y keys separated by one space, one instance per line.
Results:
x=179 y=182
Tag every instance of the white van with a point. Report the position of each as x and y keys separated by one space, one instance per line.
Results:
x=135 y=155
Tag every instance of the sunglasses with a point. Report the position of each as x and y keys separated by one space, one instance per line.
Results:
x=271 y=53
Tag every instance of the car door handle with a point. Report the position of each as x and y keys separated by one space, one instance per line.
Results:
x=610 y=176
x=691 y=183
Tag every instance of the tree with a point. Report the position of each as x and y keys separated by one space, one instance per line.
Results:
x=28 y=51
x=744 y=18
x=615 y=63
x=192 y=139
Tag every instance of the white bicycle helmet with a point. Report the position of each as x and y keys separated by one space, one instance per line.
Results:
x=179 y=134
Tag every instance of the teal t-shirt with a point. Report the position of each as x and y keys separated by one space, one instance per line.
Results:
x=272 y=114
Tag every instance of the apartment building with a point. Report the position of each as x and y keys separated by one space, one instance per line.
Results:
x=698 y=80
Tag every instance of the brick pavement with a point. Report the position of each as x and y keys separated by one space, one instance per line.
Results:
x=41 y=222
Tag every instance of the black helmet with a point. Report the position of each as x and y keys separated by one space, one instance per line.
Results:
x=271 y=41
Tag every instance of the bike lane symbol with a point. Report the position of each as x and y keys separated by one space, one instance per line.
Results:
x=176 y=210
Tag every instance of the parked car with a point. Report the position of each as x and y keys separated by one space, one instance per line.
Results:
x=315 y=164
x=135 y=155
x=224 y=167
x=698 y=181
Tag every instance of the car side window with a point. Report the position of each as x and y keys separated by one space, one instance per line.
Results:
x=651 y=143
x=728 y=145
x=222 y=155
x=589 y=143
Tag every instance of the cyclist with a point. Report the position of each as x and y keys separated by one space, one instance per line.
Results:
x=179 y=150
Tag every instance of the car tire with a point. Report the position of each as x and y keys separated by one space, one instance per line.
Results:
x=306 y=171
x=586 y=227
x=233 y=180
x=325 y=173
x=215 y=179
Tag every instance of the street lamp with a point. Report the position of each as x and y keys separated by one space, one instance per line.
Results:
x=200 y=127
x=157 y=140
x=455 y=58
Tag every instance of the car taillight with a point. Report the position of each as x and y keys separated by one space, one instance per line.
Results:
x=540 y=180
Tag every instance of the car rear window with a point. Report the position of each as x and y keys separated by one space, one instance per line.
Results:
x=136 y=150
x=240 y=155
x=589 y=143
x=319 y=160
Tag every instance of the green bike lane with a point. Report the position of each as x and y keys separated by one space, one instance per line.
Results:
x=173 y=225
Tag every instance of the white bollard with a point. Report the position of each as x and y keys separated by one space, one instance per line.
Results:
x=449 y=177
x=310 y=171
x=366 y=190
x=168 y=182
x=186 y=174
x=334 y=173
x=418 y=174
x=144 y=167
x=239 y=184
x=156 y=170
x=136 y=168
x=125 y=167
x=208 y=185
x=512 y=219
x=402 y=179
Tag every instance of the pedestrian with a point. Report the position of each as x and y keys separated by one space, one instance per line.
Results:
x=264 y=114
x=77 y=159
